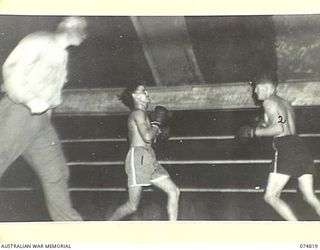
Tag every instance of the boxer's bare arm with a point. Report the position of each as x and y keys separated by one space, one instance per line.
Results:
x=273 y=127
x=146 y=131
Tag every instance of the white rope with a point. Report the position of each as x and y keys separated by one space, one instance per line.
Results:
x=169 y=162
x=173 y=138
x=185 y=190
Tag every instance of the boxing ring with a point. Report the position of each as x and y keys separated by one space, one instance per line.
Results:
x=219 y=178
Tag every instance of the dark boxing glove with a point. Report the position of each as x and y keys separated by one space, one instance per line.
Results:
x=159 y=117
x=257 y=121
x=245 y=133
x=164 y=135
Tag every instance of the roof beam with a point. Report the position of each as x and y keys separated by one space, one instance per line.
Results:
x=168 y=50
x=198 y=97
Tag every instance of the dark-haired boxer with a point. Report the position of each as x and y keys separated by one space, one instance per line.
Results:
x=292 y=158
x=141 y=165
x=33 y=77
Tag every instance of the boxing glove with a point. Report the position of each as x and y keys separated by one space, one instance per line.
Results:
x=257 y=121
x=159 y=117
x=245 y=133
x=164 y=135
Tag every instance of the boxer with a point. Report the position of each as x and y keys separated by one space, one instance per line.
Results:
x=141 y=165
x=292 y=158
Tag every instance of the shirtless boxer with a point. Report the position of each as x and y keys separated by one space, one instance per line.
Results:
x=141 y=165
x=292 y=158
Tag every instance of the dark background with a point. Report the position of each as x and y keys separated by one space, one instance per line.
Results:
x=227 y=48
